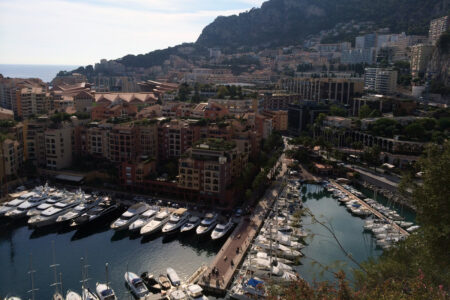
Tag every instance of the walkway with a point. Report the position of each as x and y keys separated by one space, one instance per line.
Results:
x=374 y=211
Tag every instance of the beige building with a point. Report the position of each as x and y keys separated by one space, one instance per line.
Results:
x=437 y=28
x=58 y=147
x=420 y=56
x=12 y=153
x=6 y=114
x=279 y=119
x=32 y=101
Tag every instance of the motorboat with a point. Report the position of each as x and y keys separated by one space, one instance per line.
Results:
x=55 y=198
x=177 y=219
x=264 y=268
x=164 y=282
x=191 y=224
x=21 y=210
x=12 y=298
x=221 y=230
x=49 y=216
x=71 y=295
x=104 y=292
x=173 y=277
x=412 y=228
x=104 y=208
x=10 y=205
x=178 y=295
x=129 y=216
x=195 y=292
x=143 y=219
x=252 y=288
x=78 y=210
x=207 y=224
x=136 y=285
x=151 y=283
x=156 y=224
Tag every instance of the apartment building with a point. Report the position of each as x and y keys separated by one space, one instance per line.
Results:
x=380 y=80
x=341 y=90
x=32 y=101
x=58 y=147
x=302 y=115
x=279 y=119
x=420 y=56
x=210 y=166
x=437 y=28
x=34 y=140
x=359 y=55
x=279 y=101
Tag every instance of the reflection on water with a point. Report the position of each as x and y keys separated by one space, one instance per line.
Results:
x=323 y=251
x=97 y=244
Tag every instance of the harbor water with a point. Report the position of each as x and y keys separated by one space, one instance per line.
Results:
x=185 y=253
x=100 y=245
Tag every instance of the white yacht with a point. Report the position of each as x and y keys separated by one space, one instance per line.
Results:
x=143 y=219
x=71 y=295
x=23 y=208
x=221 y=230
x=129 y=216
x=177 y=219
x=49 y=216
x=191 y=224
x=49 y=202
x=10 y=205
x=136 y=284
x=78 y=210
x=207 y=224
x=156 y=224
x=195 y=292
x=104 y=292
x=173 y=277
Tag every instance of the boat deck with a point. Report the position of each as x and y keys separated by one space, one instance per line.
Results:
x=240 y=239
x=374 y=211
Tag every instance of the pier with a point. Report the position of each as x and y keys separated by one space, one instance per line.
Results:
x=231 y=254
x=372 y=210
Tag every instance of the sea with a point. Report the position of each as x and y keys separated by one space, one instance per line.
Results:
x=23 y=249
x=44 y=72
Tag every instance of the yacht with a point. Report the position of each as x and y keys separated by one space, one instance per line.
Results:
x=191 y=224
x=53 y=199
x=207 y=224
x=164 y=282
x=177 y=219
x=221 y=230
x=129 y=216
x=11 y=205
x=177 y=295
x=195 y=292
x=104 y=292
x=143 y=219
x=12 y=298
x=156 y=224
x=24 y=207
x=71 y=295
x=78 y=210
x=49 y=216
x=136 y=285
x=173 y=277
x=105 y=207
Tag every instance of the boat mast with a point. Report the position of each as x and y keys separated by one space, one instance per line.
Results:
x=54 y=266
x=31 y=272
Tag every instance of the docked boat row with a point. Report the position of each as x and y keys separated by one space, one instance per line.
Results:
x=275 y=250
x=384 y=231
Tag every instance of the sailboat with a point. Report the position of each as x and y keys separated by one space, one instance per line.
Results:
x=57 y=295
x=103 y=290
x=86 y=293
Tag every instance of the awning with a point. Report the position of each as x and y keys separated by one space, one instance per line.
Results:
x=72 y=178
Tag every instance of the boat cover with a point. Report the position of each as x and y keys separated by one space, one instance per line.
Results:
x=253 y=282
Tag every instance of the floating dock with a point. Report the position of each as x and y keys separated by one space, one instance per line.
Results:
x=372 y=210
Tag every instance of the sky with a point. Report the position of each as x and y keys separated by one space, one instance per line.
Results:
x=81 y=32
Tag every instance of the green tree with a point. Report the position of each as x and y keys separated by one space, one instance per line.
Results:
x=338 y=111
x=364 y=111
x=415 y=130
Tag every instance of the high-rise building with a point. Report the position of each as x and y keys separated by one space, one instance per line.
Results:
x=420 y=56
x=437 y=28
x=366 y=41
x=359 y=55
x=303 y=114
x=341 y=90
x=383 y=81
x=58 y=147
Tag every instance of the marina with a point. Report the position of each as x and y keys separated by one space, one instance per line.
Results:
x=133 y=242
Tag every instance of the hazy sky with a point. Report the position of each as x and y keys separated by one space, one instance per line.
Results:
x=81 y=32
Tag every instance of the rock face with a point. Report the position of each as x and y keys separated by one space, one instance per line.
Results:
x=284 y=22
x=440 y=64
